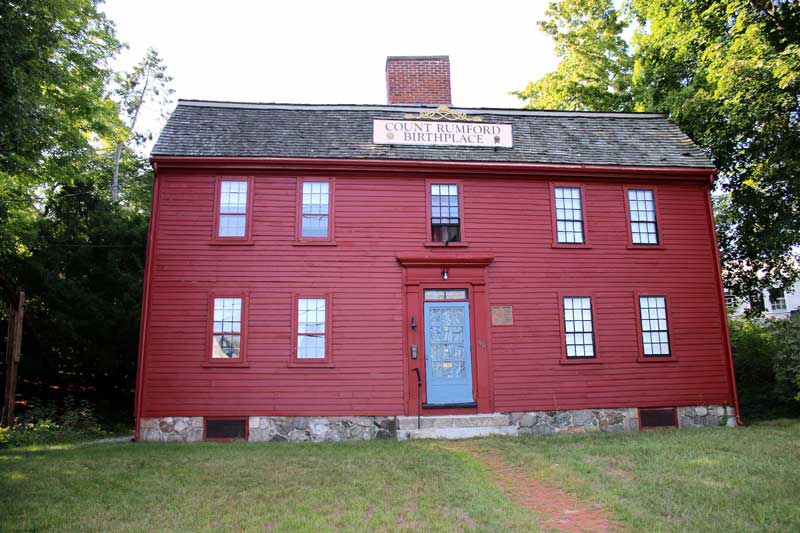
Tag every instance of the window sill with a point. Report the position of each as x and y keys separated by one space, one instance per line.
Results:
x=657 y=359
x=313 y=243
x=240 y=242
x=584 y=246
x=321 y=364
x=431 y=244
x=586 y=361
x=646 y=247
x=226 y=364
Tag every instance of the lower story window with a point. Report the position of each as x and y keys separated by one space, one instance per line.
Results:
x=777 y=299
x=578 y=327
x=655 y=331
x=311 y=314
x=227 y=334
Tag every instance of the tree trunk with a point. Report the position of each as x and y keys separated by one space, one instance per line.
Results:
x=13 y=345
x=115 y=178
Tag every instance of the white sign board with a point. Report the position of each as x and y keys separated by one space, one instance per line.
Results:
x=424 y=133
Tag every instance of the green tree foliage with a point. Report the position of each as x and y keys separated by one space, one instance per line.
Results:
x=53 y=76
x=78 y=255
x=728 y=73
x=596 y=66
x=84 y=278
x=55 y=113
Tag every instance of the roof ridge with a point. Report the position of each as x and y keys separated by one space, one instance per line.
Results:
x=412 y=108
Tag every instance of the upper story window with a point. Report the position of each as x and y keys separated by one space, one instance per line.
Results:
x=316 y=207
x=227 y=329
x=569 y=215
x=777 y=299
x=578 y=327
x=655 y=330
x=642 y=209
x=315 y=211
x=445 y=213
x=233 y=204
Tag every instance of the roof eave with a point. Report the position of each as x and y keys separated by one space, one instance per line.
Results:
x=705 y=174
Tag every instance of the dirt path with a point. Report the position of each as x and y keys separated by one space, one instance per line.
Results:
x=563 y=511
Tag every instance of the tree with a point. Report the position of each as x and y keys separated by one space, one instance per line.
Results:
x=596 y=67
x=55 y=113
x=728 y=73
x=84 y=280
x=78 y=255
x=147 y=82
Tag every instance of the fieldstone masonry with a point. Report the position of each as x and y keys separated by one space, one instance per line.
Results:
x=350 y=428
x=172 y=429
x=575 y=421
x=706 y=415
x=320 y=429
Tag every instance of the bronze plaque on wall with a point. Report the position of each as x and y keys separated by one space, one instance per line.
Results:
x=502 y=315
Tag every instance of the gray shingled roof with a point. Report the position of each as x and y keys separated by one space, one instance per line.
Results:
x=226 y=129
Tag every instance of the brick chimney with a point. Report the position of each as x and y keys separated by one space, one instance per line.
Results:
x=418 y=80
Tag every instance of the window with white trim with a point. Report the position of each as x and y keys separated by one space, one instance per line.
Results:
x=569 y=215
x=642 y=209
x=232 y=209
x=316 y=207
x=578 y=327
x=311 y=328
x=655 y=330
x=227 y=329
x=777 y=299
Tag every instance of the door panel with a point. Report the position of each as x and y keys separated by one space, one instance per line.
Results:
x=448 y=357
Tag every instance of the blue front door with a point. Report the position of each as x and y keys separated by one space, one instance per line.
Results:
x=448 y=360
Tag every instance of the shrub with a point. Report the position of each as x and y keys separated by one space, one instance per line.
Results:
x=45 y=423
x=786 y=360
x=766 y=357
x=753 y=348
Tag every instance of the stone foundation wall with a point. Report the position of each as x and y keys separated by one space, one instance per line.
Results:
x=171 y=429
x=351 y=428
x=575 y=421
x=706 y=415
x=320 y=429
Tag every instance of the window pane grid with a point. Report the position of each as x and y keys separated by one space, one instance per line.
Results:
x=316 y=205
x=311 y=328
x=655 y=332
x=642 y=207
x=777 y=299
x=578 y=326
x=445 y=217
x=227 y=328
x=233 y=209
x=569 y=215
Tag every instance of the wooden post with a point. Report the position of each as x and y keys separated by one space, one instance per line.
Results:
x=13 y=346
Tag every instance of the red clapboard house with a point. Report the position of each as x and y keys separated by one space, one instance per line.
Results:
x=327 y=272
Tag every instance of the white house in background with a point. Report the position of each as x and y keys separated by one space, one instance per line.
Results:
x=778 y=303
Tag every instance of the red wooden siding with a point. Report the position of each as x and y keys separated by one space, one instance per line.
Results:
x=379 y=217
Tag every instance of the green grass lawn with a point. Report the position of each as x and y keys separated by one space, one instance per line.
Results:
x=713 y=479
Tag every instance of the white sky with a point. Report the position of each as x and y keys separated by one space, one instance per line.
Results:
x=335 y=51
